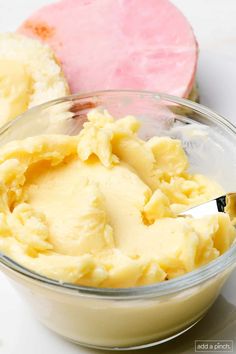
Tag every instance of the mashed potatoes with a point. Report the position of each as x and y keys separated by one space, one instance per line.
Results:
x=29 y=75
x=101 y=208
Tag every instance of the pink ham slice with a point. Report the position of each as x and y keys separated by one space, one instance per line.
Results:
x=119 y=44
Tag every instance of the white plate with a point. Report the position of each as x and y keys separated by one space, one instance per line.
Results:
x=215 y=26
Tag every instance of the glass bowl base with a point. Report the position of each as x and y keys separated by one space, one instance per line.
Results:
x=140 y=346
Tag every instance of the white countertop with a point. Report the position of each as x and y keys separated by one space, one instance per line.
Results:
x=215 y=27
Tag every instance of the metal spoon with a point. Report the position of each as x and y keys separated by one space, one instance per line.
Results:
x=225 y=204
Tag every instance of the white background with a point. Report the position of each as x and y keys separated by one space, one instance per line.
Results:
x=214 y=22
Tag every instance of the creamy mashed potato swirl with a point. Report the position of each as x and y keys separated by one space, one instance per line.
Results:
x=100 y=208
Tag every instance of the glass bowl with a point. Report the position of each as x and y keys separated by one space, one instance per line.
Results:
x=138 y=317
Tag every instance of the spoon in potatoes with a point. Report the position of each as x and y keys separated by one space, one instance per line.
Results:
x=225 y=204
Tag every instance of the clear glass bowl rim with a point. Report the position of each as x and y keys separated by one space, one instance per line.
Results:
x=181 y=283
